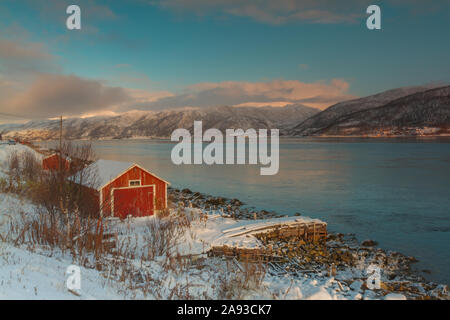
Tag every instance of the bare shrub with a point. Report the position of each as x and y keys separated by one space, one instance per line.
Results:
x=162 y=236
x=164 y=213
x=83 y=238
x=13 y=167
x=4 y=186
x=240 y=278
x=13 y=162
x=30 y=169
x=70 y=191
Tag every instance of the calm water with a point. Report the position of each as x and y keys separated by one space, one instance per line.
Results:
x=394 y=191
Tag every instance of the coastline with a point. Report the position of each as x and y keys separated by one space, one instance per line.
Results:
x=282 y=137
x=349 y=252
x=402 y=268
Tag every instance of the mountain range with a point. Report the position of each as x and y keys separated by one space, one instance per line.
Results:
x=138 y=124
x=404 y=111
x=407 y=111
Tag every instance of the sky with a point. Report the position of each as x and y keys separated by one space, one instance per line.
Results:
x=168 y=54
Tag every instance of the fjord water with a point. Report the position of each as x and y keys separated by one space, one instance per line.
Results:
x=394 y=191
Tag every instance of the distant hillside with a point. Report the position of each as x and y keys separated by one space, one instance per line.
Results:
x=421 y=113
x=319 y=122
x=163 y=123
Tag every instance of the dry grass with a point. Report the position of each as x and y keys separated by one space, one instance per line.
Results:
x=83 y=239
x=239 y=278
x=147 y=265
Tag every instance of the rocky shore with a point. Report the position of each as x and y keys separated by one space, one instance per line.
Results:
x=341 y=258
x=233 y=208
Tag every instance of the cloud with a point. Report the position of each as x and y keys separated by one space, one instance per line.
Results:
x=274 y=12
x=31 y=51
x=276 y=92
x=51 y=95
x=33 y=85
x=17 y=57
x=278 y=12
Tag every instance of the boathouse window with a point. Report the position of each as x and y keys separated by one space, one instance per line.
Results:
x=134 y=183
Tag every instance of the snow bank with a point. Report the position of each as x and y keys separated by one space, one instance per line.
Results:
x=216 y=231
x=6 y=150
x=40 y=274
x=27 y=275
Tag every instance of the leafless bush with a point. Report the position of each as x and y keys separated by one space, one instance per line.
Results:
x=79 y=238
x=239 y=278
x=13 y=162
x=13 y=167
x=162 y=236
x=164 y=213
x=30 y=169
x=23 y=169
x=70 y=191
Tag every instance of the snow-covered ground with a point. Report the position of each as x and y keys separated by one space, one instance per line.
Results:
x=27 y=275
x=6 y=150
x=41 y=274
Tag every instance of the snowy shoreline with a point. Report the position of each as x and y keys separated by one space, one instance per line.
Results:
x=304 y=274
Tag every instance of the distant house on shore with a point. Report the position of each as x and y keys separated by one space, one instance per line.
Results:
x=125 y=188
x=53 y=161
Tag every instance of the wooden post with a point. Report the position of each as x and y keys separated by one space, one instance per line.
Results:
x=60 y=143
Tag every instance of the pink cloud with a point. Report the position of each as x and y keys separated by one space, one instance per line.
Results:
x=274 y=12
x=278 y=12
x=316 y=94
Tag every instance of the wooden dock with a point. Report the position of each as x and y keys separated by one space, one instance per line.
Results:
x=313 y=231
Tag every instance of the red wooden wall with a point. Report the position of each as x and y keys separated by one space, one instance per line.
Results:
x=135 y=173
x=135 y=201
x=52 y=163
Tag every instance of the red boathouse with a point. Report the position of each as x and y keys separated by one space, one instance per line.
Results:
x=126 y=188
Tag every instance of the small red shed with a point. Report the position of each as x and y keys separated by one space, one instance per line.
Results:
x=126 y=188
x=52 y=162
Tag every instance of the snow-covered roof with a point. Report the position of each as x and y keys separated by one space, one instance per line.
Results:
x=108 y=170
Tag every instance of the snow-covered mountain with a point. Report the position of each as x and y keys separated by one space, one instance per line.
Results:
x=162 y=123
x=392 y=112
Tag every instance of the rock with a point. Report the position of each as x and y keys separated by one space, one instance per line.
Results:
x=216 y=201
x=356 y=285
x=369 y=295
x=297 y=214
x=237 y=202
x=186 y=190
x=369 y=243
x=198 y=195
x=394 y=296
